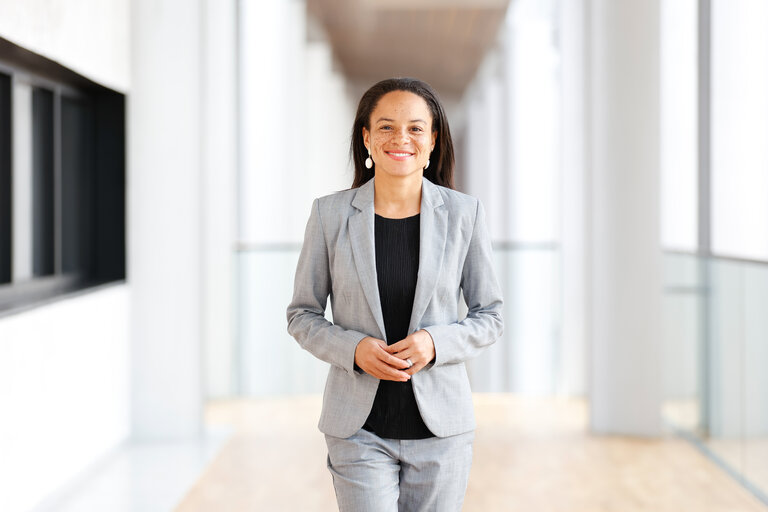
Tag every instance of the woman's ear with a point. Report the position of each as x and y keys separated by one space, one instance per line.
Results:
x=434 y=139
x=366 y=138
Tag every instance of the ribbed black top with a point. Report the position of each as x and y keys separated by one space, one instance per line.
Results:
x=395 y=414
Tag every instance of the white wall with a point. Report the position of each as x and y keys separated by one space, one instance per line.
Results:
x=64 y=367
x=87 y=36
x=64 y=387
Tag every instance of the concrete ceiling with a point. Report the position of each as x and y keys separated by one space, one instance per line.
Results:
x=440 y=41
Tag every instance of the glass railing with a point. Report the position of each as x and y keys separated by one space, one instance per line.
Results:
x=716 y=361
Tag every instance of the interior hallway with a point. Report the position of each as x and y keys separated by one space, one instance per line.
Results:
x=531 y=454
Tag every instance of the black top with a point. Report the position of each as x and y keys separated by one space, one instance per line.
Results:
x=395 y=414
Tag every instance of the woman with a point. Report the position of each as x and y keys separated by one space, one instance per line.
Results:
x=394 y=252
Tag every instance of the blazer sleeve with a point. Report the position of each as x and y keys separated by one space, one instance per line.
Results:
x=306 y=312
x=483 y=324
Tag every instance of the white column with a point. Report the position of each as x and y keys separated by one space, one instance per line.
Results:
x=573 y=190
x=624 y=217
x=271 y=195
x=164 y=218
x=219 y=146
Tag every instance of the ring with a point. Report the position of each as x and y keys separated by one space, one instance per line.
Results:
x=410 y=363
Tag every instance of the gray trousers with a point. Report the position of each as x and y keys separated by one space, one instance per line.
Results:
x=372 y=474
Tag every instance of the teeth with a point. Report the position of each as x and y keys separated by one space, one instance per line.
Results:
x=399 y=154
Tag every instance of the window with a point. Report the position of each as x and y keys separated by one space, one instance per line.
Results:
x=5 y=179
x=62 y=180
x=739 y=120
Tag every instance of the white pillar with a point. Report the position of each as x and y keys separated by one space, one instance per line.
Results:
x=573 y=209
x=272 y=198
x=623 y=209
x=219 y=146
x=164 y=217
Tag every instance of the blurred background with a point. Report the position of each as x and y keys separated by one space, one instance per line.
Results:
x=158 y=160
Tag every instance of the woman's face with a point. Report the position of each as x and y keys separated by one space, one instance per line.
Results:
x=401 y=137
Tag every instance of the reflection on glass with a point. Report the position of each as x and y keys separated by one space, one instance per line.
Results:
x=716 y=352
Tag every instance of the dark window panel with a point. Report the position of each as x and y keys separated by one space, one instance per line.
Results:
x=76 y=185
x=109 y=200
x=6 y=184
x=43 y=212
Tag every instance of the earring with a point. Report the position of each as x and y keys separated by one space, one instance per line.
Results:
x=368 y=161
x=425 y=167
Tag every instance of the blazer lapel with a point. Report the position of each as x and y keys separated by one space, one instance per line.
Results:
x=433 y=226
x=364 y=250
x=433 y=230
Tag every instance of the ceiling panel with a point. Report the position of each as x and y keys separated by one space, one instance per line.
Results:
x=439 y=41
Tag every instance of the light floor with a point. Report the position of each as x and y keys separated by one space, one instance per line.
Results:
x=138 y=476
x=529 y=455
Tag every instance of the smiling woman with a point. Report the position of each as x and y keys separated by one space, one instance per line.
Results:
x=397 y=409
x=401 y=137
x=387 y=112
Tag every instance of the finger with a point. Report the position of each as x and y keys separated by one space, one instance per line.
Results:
x=399 y=346
x=415 y=368
x=410 y=360
x=388 y=373
x=410 y=352
x=393 y=361
x=389 y=362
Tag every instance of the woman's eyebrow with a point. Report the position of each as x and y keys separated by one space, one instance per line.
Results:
x=392 y=120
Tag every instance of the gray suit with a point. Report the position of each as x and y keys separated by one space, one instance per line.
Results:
x=338 y=259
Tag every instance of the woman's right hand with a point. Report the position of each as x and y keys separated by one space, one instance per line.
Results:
x=371 y=357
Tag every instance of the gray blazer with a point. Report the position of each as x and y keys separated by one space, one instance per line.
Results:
x=338 y=259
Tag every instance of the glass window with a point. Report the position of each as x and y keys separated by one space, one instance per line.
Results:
x=5 y=179
x=739 y=117
x=43 y=210
x=62 y=181
x=679 y=125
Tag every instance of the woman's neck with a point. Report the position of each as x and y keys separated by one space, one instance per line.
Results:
x=397 y=197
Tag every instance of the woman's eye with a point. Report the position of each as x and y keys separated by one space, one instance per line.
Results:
x=386 y=128
x=417 y=129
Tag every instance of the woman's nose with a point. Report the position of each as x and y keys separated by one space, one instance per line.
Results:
x=401 y=135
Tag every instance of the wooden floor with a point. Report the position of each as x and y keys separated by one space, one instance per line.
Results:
x=529 y=455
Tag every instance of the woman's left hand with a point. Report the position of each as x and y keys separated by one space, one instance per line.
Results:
x=418 y=347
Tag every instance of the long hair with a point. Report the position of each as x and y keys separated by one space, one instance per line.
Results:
x=440 y=170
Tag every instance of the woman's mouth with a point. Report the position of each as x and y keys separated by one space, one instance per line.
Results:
x=399 y=155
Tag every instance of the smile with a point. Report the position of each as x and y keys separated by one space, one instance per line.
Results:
x=399 y=154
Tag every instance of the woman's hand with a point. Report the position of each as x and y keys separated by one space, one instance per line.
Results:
x=372 y=357
x=418 y=347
